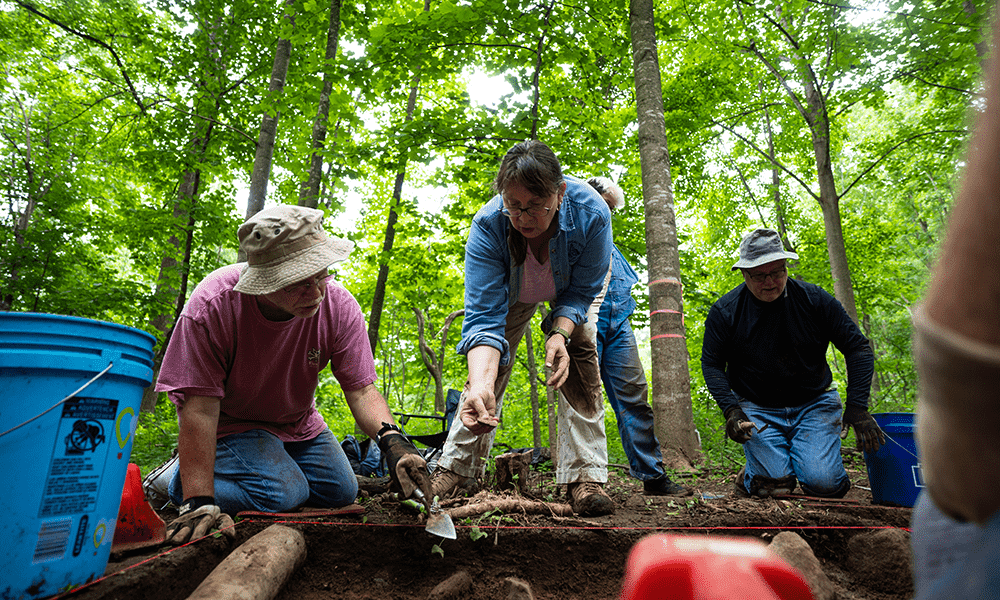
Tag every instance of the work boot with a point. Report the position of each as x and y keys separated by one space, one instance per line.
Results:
x=445 y=484
x=738 y=488
x=588 y=499
x=662 y=486
x=766 y=487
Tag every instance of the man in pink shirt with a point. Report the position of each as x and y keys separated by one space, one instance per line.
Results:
x=242 y=368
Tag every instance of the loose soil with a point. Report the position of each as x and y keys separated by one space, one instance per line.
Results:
x=386 y=554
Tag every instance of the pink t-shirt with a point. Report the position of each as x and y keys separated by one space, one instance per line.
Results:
x=537 y=283
x=265 y=372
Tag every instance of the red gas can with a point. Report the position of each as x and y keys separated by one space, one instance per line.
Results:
x=683 y=567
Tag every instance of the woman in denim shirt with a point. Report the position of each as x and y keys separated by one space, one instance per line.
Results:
x=543 y=238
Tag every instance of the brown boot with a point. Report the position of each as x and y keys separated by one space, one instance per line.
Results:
x=445 y=484
x=739 y=489
x=588 y=499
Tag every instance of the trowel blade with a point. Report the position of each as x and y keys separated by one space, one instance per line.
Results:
x=440 y=524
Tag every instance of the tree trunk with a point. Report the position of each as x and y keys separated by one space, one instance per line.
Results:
x=171 y=294
x=536 y=75
x=434 y=361
x=172 y=280
x=670 y=392
x=552 y=403
x=536 y=420
x=268 y=127
x=36 y=191
x=819 y=124
x=309 y=195
x=378 y=299
x=779 y=207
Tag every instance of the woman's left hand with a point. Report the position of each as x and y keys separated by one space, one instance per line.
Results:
x=556 y=361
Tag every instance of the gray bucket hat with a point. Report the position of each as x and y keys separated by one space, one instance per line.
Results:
x=286 y=244
x=760 y=247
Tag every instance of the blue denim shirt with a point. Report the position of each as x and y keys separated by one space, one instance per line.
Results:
x=618 y=303
x=580 y=252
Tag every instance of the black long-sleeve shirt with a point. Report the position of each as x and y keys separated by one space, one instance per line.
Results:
x=774 y=353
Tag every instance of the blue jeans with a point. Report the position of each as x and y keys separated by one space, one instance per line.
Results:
x=625 y=384
x=803 y=441
x=255 y=470
x=953 y=559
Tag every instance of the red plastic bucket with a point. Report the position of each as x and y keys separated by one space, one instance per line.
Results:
x=679 y=567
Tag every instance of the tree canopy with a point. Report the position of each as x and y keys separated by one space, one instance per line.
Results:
x=128 y=132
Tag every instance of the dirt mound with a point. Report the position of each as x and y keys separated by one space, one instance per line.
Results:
x=385 y=552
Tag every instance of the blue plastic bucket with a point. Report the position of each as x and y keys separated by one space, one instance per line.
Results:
x=894 y=469
x=64 y=451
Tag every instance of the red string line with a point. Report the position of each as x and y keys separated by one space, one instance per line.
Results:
x=140 y=563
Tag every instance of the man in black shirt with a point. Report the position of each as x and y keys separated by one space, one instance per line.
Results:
x=764 y=361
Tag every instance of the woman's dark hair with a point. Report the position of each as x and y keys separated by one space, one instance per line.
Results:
x=533 y=165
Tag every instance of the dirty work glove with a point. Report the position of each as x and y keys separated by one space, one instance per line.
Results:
x=407 y=469
x=198 y=516
x=866 y=431
x=738 y=425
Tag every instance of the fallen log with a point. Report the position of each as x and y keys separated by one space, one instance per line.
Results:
x=511 y=505
x=258 y=569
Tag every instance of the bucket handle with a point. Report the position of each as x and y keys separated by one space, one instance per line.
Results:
x=901 y=447
x=46 y=411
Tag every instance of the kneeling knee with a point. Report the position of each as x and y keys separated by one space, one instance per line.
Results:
x=285 y=498
x=345 y=493
x=827 y=489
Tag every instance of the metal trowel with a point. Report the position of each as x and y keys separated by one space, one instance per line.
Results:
x=439 y=522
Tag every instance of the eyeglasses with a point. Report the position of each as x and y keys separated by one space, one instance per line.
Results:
x=534 y=211
x=762 y=277
x=301 y=287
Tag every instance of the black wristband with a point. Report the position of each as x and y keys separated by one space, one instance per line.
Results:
x=398 y=444
x=385 y=428
x=196 y=502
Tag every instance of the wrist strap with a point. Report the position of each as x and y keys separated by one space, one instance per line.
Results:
x=386 y=427
x=194 y=503
x=560 y=331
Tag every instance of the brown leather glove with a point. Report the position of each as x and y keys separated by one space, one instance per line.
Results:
x=738 y=425
x=866 y=431
x=407 y=469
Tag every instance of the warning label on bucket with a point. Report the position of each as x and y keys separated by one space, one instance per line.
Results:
x=74 y=478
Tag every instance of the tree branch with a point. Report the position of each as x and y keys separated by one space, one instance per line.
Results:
x=893 y=149
x=897 y=13
x=911 y=75
x=774 y=162
x=173 y=106
x=121 y=67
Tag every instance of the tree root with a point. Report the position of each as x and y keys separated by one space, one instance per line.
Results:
x=511 y=505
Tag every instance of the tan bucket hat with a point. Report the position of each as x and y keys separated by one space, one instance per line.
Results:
x=286 y=244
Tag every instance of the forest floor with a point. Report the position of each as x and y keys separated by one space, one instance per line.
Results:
x=385 y=553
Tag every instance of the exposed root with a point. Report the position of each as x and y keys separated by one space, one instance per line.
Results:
x=511 y=505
